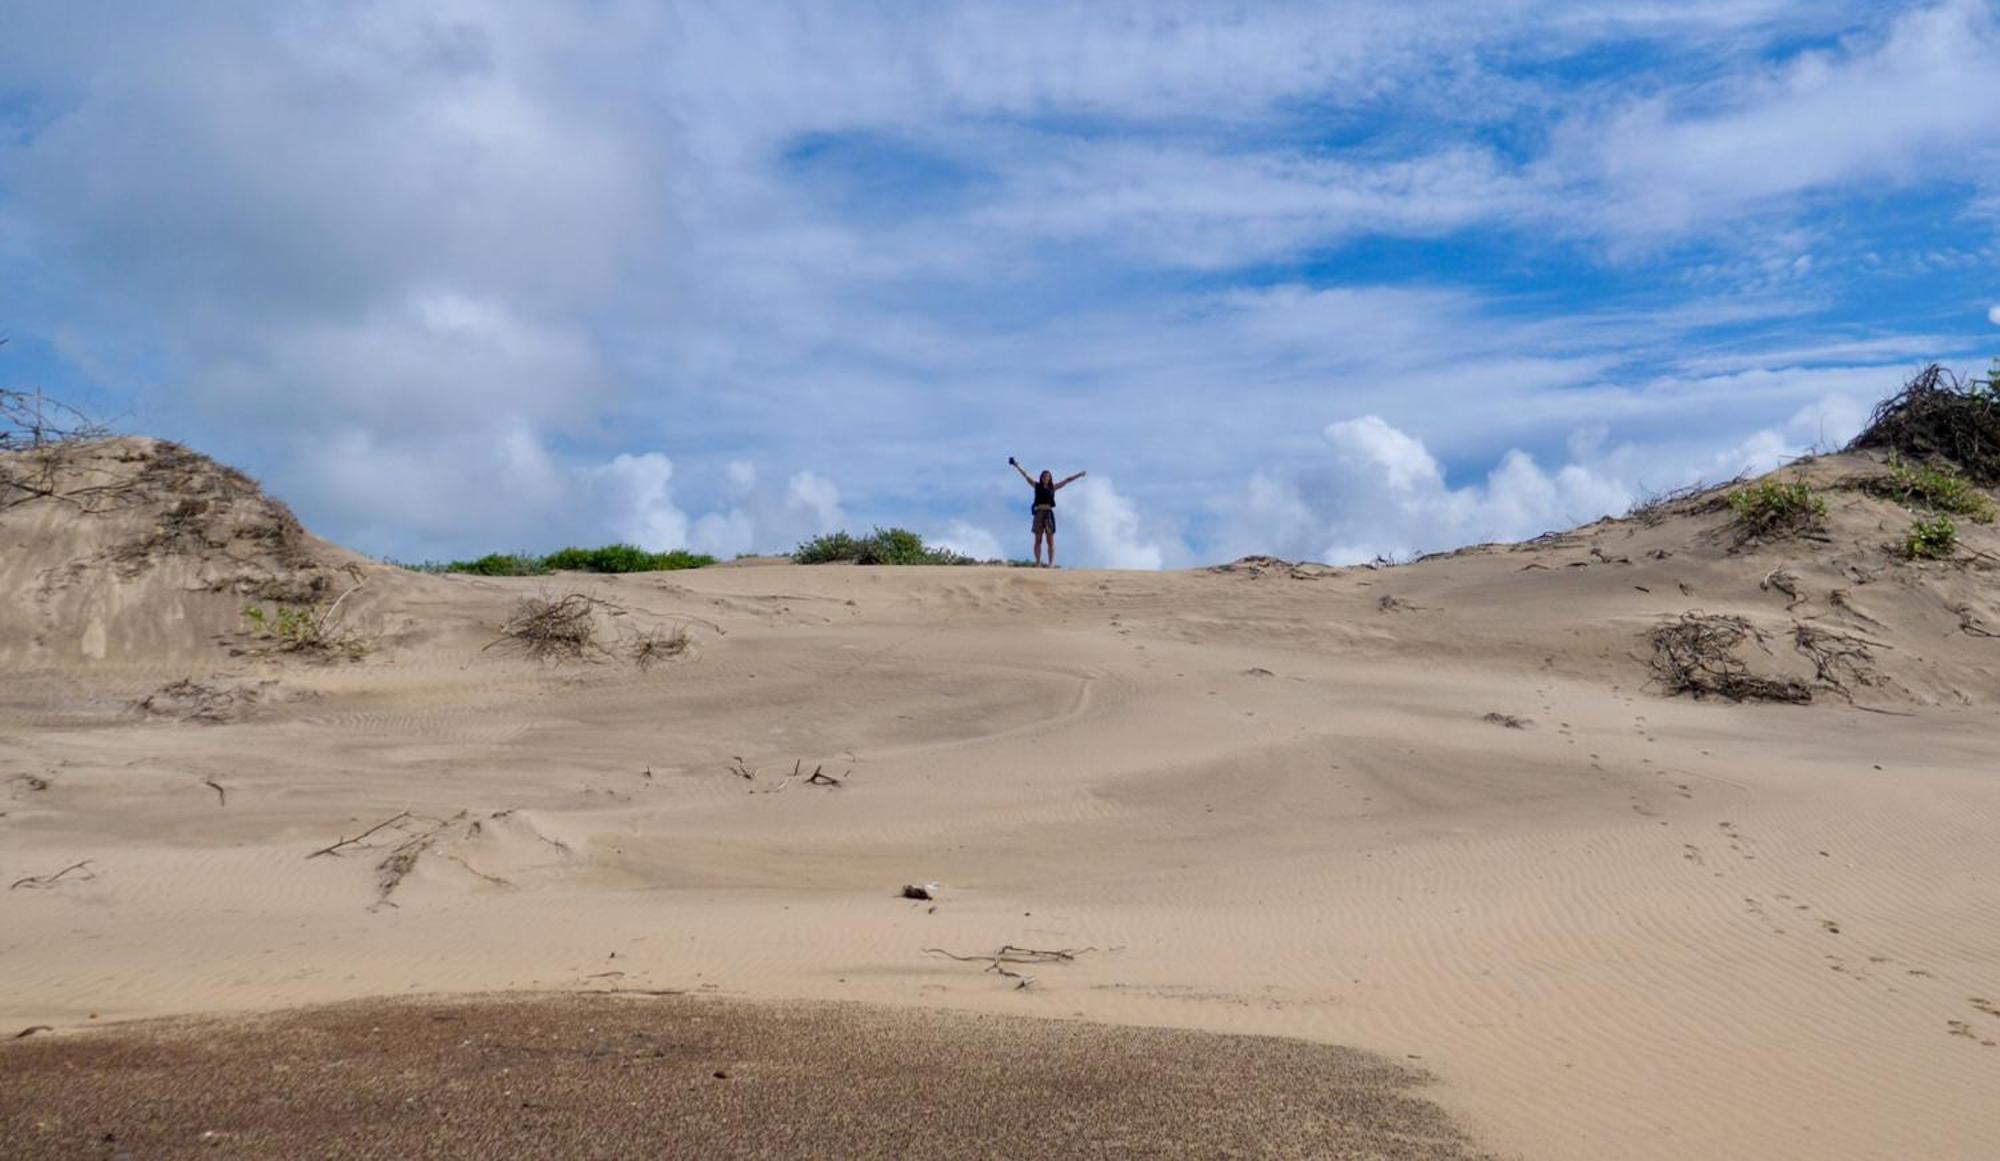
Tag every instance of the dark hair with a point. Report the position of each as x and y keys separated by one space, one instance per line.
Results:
x=1048 y=477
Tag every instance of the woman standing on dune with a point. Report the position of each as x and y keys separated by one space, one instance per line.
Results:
x=1045 y=507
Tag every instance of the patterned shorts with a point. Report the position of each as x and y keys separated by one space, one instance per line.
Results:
x=1045 y=521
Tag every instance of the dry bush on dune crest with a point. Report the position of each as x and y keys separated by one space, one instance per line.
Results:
x=1938 y=415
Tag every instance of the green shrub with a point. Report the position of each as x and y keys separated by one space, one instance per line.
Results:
x=308 y=631
x=500 y=564
x=1937 y=486
x=1772 y=508
x=623 y=558
x=827 y=549
x=883 y=546
x=1932 y=539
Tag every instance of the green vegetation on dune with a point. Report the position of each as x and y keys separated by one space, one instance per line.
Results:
x=610 y=558
x=1772 y=507
x=1932 y=539
x=1936 y=486
x=883 y=546
x=624 y=558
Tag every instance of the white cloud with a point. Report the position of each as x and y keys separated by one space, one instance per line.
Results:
x=1993 y=314
x=504 y=244
x=639 y=502
x=814 y=495
x=1107 y=526
x=1705 y=155
x=970 y=540
x=1381 y=493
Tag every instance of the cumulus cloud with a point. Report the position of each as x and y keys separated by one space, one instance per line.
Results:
x=482 y=275
x=1378 y=492
x=969 y=540
x=1993 y=314
x=1105 y=526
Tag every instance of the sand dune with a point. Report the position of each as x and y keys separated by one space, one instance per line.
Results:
x=1437 y=813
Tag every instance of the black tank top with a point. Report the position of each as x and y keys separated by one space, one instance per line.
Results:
x=1045 y=495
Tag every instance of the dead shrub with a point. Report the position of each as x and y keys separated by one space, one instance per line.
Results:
x=1697 y=654
x=556 y=629
x=653 y=646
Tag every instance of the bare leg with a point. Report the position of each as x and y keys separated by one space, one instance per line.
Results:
x=1052 y=550
x=1038 y=548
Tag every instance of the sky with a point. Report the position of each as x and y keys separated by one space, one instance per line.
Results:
x=1328 y=280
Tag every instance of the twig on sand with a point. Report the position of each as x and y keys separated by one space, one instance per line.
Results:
x=334 y=849
x=39 y=882
x=997 y=963
x=819 y=778
x=398 y=863
x=221 y=795
x=327 y=617
x=31 y=1029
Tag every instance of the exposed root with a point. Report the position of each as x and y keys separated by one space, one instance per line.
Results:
x=1838 y=658
x=398 y=863
x=1783 y=581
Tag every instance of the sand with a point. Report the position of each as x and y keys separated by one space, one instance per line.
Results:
x=1263 y=801
x=612 y=1077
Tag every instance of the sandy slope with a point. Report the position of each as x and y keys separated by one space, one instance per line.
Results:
x=1266 y=801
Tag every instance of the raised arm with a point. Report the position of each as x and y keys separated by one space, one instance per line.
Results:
x=1073 y=479
x=1012 y=463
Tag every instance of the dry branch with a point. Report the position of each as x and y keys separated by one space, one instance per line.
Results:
x=221 y=795
x=1697 y=654
x=557 y=629
x=1938 y=414
x=40 y=882
x=334 y=849
x=1838 y=658
x=656 y=645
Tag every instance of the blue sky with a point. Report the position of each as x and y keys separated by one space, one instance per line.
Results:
x=1324 y=280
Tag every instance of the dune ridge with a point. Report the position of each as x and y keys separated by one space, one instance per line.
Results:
x=1439 y=812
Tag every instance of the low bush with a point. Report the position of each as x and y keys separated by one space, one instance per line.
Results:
x=609 y=558
x=623 y=558
x=309 y=631
x=883 y=546
x=1939 y=487
x=1773 y=508
x=1932 y=539
x=500 y=564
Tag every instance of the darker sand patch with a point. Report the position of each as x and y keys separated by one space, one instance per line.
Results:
x=595 y=1076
